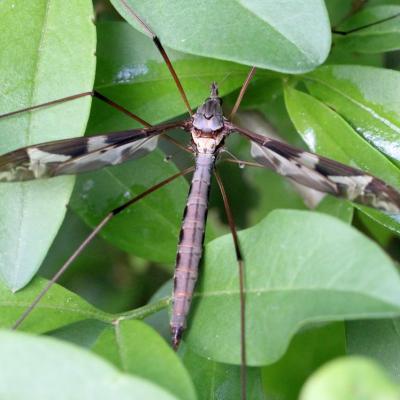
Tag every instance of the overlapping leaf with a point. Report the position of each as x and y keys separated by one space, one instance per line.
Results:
x=367 y=98
x=37 y=65
x=352 y=378
x=139 y=228
x=223 y=379
x=134 y=348
x=58 y=308
x=133 y=74
x=328 y=134
x=309 y=349
x=294 y=37
x=372 y=30
x=300 y=267
x=331 y=272
x=378 y=340
x=43 y=368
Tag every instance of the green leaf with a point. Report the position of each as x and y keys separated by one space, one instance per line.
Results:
x=37 y=65
x=273 y=192
x=294 y=37
x=375 y=231
x=131 y=345
x=309 y=350
x=134 y=348
x=352 y=378
x=142 y=352
x=391 y=222
x=58 y=307
x=367 y=98
x=94 y=274
x=266 y=190
x=160 y=320
x=139 y=228
x=223 y=380
x=337 y=10
x=132 y=73
x=337 y=208
x=379 y=340
x=52 y=369
x=301 y=267
x=83 y=333
x=372 y=30
x=328 y=134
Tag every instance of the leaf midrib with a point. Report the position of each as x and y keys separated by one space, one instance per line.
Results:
x=263 y=291
x=387 y=122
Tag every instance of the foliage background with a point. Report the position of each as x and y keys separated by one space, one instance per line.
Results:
x=319 y=269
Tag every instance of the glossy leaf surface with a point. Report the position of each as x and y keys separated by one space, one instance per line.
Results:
x=328 y=134
x=367 y=98
x=331 y=272
x=58 y=308
x=37 y=66
x=51 y=369
x=286 y=35
x=135 y=349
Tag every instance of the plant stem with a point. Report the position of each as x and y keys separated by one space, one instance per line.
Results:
x=143 y=312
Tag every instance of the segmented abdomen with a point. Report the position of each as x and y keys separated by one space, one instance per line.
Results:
x=190 y=247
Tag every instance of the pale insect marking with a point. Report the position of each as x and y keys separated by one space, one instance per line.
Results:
x=387 y=206
x=7 y=176
x=38 y=160
x=206 y=145
x=309 y=160
x=96 y=143
x=289 y=167
x=354 y=185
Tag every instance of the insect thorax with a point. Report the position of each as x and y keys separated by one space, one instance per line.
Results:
x=208 y=125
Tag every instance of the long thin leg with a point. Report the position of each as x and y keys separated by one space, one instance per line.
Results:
x=243 y=163
x=90 y=237
x=120 y=108
x=162 y=51
x=239 y=258
x=176 y=143
x=356 y=6
x=365 y=26
x=106 y=100
x=94 y=93
x=140 y=120
x=242 y=92
x=49 y=103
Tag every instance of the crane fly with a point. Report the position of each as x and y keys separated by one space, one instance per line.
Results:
x=207 y=130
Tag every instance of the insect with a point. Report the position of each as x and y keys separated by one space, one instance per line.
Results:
x=208 y=129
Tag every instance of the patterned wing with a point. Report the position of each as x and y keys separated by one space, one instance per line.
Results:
x=72 y=156
x=323 y=174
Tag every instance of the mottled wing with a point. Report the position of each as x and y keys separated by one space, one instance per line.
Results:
x=72 y=156
x=323 y=174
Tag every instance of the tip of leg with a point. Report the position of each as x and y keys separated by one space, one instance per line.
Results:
x=176 y=334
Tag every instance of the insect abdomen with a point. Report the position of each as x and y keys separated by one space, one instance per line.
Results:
x=190 y=246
